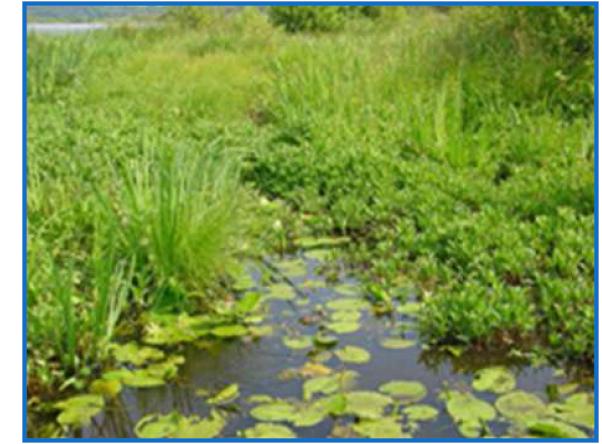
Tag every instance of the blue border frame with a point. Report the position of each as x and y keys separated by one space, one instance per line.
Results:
x=25 y=4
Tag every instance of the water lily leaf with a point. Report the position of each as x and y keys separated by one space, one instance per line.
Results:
x=325 y=340
x=79 y=410
x=274 y=411
x=313 y=369
x=226 y=395
x=346 y=316
x=520 y=406
x=334 y=404
x=348 y=304
x=347 y=289
x=404 y=391
x=167 y=369
x=308 y=415
x=468 y=412
x=320 y=356
x=269 y=430
x=243 y=281
x=261 y=330
x=292 y=268
x=297 y=342
x=259 y=399
x=549 y=428
x=133 y=353
x=379 y=428
x=343 y=327
x=577 y=409
x=409 y=308
x=174 y=425
x=109 y=388
x=248 y=302
x=328 y=384
x=366 y=404
x=229 y=331
x=194 y=427
x=420 y=412
x=157 y=426
x=353 y=354
x=142 y=379
x=494 y=379
x=397 y=343
x=281 y=291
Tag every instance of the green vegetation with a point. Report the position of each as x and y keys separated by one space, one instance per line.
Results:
x=446 y=155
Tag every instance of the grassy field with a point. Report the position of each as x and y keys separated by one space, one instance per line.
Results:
x=454 y=147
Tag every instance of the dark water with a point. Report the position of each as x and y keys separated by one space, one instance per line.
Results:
x=255 y=366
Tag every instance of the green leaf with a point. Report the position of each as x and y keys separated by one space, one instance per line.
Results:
x=353 y=354
x=549 y=428
x=297 y=342
x=397 y=343
x=268 y=430
x=468 y=412
x=229 y=331
x=519 y=406
x=135 y=354
x=420 y=412
x=248 y=302
x=78 y=410
x=379 y=428
x=348 y=304
x=274 y=411
x=494 y=379
x=366 y=404
x=343 y=327
x=405 y=392
x=226 y=395
x=281 y=291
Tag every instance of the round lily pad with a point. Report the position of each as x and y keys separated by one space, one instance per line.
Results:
x=520 y=406
x=281 y=291
x=269 y=430
x=397 y=343
x=325 y=340
x=226 y=395
x=366 y=404
x=353 y=355
x=343 y=327
x=494 y=379
x=79 y=410
x=386 y=427
x=229 y=331
x=550 y=428
x=404 y=391
x=577 y=409
x=468 y=412
x=274 y=411
x=420 y=412
x=297 y=342
x=346 y=316
x=259 y=399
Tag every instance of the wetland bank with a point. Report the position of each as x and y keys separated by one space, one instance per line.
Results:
x=313 y=222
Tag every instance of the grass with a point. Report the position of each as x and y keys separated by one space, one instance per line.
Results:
x=449 y=146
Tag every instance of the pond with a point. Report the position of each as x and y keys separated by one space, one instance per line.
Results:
x=323 y=332
x=64 y=28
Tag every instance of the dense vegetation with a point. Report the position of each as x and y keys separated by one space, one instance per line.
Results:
x=455 y=147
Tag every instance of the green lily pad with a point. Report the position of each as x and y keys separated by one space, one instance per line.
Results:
x=226 y=395
x=494 y=379
x=328 y=384
x=195 y=427
x=397 y=343
x=142 y=379
x=292 y=268
x=229 y=331
x=157 y=426
x=174 y=425
x=281 y=291
x=519 y=406
x=261 y=330
x=320 y=356
x=386 y=427
x=409 y=308
x=106 y=387
x=353 y=354
x=549 y=428
x=243 y=281
x=309 y=415
x=79 y=410
x=577 y=409
x=404 y=391
x=468 y=412
x=274 y=411
x=297 y=342
x=259 y=399
x=348 y=304
x=420 y=412
x=325 y=340
x=248 y=303
x=347 y=289
x=346 y=316
x=135 y=354
x=269 y=430
x=366 y=404
x=343 y=327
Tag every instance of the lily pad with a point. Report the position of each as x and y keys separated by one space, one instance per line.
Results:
x=274 y=411
x=135 y=354
x=229 y=331
x=346 y=316
x=79 y=410
x=366 y=404
x=292 y=268
x=494 y=379
x=353 y=354
x=420 y=412
x=313 y=242
x=549 y=428
x=328 y=384
x=348 y=304
x=468 y=412
x=174 y=425
x=261 y=330
x=309 y=415
x=343 y=327
x=325 y=340
x=313 y=369
x=297 y=342
x=142 y=379
x=577 y=409
x=397 y=343
x=409 y=308
x=248 y=303
x=243 y=281
x=520 y=406
x=386 y=427
x=106 y=387
x=269 y=430
x=226 y=395
x=347 y=289
x=259 y=399
x=281 y=291
x=404 y=391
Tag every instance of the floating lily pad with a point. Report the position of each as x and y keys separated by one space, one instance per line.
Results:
x=320 y=356
x=409 y=308
x=366 y=404
x=379 y=428
x=420 y=412
x=549 y=428
x=261 y=330
x=142 y=379
x=309 y=415
x=577 y=409
x=229 y=331
x=347 y=289
x=259 y=399
x=274 y=411
x=292 y=268
x=106 y=387
x=494 y=379
x=226 y=395
x=397 y=343
x=243 y=281
x=468 y=412
x=328 y=384
x=195 y=427
x=346 y=316
x=79 y=410
x=404 y=391
x=325 y=340
x=349 y=304
x=281 y=291
x=343 y=327
x=269 y=430
x=248 y=303
x=519 y=406
x=135 y=354
x=313 y=369
x=353 y=354
x=174 y=425
x=297 y=342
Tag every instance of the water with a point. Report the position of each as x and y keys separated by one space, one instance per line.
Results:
x=255 y=366
x=64 y=28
